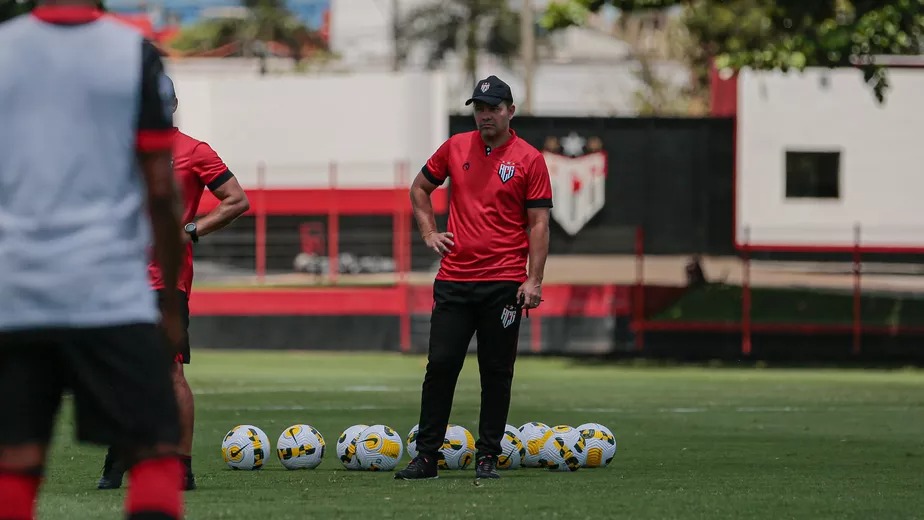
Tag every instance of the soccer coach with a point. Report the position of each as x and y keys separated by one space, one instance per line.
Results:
x=498 y=218
x=85 y=148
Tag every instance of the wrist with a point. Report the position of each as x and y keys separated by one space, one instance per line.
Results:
x=192 y=230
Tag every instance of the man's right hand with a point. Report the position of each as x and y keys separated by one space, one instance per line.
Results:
x=439 y=242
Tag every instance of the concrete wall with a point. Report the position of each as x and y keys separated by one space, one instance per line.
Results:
x=298 y=125
x=881 y=165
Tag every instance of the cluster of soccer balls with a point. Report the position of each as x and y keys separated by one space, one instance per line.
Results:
x=380 y=447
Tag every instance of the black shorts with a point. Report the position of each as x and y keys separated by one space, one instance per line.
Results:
x=183 y=352
x=119 y=377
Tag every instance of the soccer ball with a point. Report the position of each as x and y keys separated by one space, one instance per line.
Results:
x=346 y=446
x=300 y=446
x=512 y=450
x=458 y=449
x=563 y=450
x=412 y=441
x=245 y=447
x=533 y=435
x=599 y=443
x=379 y=448
x=574 y=436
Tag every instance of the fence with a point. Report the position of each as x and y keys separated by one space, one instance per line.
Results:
x=299 y=228
x=807 y=290
x=615 y=300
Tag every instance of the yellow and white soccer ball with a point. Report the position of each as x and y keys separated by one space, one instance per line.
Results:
x=563 y=450
x=599 y=443
x=458 y=449
x=412 y=441
x=533 y=435
x=346 y=446
x=512 y=449
x=379 y=448
x=300 y=446
x=245 y=447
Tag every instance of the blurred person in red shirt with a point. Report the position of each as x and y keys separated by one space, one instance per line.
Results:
x=196 y=167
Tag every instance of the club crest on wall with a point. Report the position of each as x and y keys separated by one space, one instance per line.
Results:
x=577 y=168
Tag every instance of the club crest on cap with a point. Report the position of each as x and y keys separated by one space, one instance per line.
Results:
x=485 y=86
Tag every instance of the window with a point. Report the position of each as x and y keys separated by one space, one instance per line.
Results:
x=813 y=175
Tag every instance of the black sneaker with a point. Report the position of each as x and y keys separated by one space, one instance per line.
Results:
x=189 y=482
x=112 y=473
x=486 y=467
x=419 y=468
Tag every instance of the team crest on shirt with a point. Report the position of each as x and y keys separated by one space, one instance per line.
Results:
x=508 y=315
x=506 y=171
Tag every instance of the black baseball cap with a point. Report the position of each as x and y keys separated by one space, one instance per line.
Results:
x=492 y=91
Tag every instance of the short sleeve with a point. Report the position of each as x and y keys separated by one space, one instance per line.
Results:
x=155 y=120
x=208 y=166
x=437 y=168
x=538 y=184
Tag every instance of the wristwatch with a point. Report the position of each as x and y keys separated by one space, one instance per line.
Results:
x=191 y=231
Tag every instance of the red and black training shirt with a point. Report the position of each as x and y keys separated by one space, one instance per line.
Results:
x=490 y=191
x=196 y=166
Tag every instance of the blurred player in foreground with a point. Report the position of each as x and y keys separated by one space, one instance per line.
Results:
x=82 y=106
x=196 y=166
x=498 y=217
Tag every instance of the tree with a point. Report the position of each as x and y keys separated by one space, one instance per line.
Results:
x=783 y=34
x=12 y=8
x=266 y=21
x=467 y=26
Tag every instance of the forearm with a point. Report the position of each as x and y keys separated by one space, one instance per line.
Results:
x=538 y=250
x=165 y=208
x=423 y=211
x=168 y=247
x=225 y=213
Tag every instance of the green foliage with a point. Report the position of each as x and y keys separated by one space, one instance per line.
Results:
x=565 y=13
x=468 y=26
x=208 y=35
x=13 y=8
x=268 y=20
x=784 y=34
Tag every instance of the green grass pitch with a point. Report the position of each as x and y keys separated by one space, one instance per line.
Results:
x=692 y=442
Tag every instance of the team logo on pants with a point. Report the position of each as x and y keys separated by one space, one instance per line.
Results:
x=508 y=315
x=506 y=171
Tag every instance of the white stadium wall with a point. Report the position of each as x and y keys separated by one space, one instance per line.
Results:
x=299 y=125
x=880 y=180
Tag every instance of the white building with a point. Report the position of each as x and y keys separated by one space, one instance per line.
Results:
x=358 y=114
x=817 y=155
